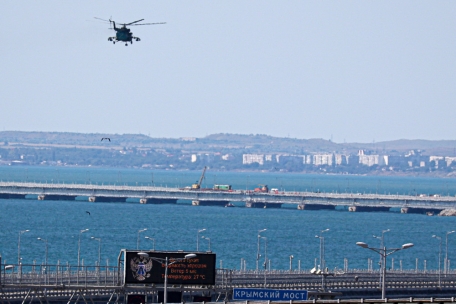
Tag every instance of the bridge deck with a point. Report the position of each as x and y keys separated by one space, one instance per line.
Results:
x=145 y=193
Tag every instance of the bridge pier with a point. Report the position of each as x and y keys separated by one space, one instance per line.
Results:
x=106 y=199
x=11 y=196
x=367 y=209
x=52 y=197
x=419 y=210
x=262 y=205
x=157 y=201
x=315 y=207
x=209 y=203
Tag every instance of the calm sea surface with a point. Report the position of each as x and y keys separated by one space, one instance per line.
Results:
x=232 y=231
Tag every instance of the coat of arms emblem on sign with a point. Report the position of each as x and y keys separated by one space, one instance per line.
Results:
x=140 y=267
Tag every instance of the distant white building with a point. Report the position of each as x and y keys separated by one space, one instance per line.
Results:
x=307 y=159
x=227 y=157
x=341 y=159
x=439 y=161
x=370 y=160
x=323 y=159
x=449 y=160
x=252 y=158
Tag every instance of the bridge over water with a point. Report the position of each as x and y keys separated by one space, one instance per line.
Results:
x=357 y=202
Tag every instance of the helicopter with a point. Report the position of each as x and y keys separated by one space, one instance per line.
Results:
x=123 y=34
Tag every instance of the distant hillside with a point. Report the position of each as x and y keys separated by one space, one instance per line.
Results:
x=272 y=144
x=223 y=142
x=428 y=147
x=66 y=138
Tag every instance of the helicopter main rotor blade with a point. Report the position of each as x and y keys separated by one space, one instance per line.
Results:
x=134 y=22
x=102 y=19
x=149 y=23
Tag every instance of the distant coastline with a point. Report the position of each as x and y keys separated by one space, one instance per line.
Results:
x=230 y=152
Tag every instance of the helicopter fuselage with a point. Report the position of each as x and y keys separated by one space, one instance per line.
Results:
x=124 y=34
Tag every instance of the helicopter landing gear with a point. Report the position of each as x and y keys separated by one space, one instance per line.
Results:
x=113 y=42
x=126 y=44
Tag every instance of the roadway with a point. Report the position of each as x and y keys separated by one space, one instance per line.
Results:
x=303 y=200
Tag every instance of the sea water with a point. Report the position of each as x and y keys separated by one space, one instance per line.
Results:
x=232 y=233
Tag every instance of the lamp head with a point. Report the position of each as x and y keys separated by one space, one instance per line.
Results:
x=190 y=256
x=143 y=254
x=408 y=245
x=362 y=244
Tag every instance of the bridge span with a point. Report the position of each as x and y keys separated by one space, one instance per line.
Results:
x=163 y=195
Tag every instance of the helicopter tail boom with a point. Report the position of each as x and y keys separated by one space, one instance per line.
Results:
x=113 y=23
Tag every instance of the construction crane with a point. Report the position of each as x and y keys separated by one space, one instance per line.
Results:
x=198 y=185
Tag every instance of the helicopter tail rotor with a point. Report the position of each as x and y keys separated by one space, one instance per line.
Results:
x=106 y=21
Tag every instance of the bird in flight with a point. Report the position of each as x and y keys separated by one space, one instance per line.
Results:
x=88 y=212
x=107 y=138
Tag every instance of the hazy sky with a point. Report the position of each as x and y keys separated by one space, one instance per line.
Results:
x=354 y=70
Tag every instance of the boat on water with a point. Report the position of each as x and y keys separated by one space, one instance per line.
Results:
x=229 y=205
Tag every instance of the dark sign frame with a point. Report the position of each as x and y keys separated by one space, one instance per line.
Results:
x=151 y=270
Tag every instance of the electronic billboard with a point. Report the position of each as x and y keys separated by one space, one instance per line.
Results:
x=150 y=268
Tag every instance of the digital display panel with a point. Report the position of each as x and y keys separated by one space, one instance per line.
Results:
x=143 y=269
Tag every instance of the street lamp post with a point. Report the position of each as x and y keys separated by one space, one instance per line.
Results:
x=197 y=238
x=45 y=259
x=137 y=242
x=209 y=240
x=152 y=239
x=322 y=248
x=384 y=252
x=382 y=244
x=19 y=246
x=265 y=251
x=440 y=253
x=445 y=263
x=258 y=247
x=167 y=264
x=265 y=258
x=99 y=248
x=46 y=250
x=322 y=257
x=79 y=245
